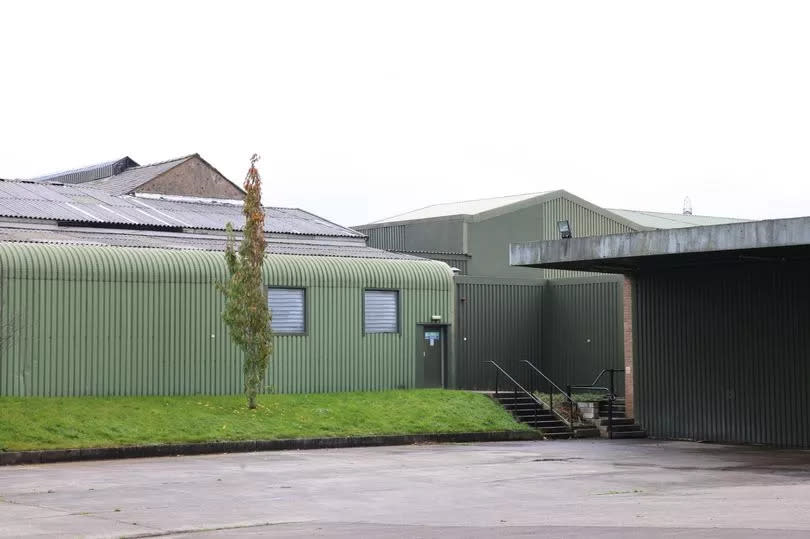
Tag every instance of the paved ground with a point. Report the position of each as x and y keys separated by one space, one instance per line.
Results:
x=577 y=488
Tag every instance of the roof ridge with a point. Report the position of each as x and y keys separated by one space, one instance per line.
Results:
x=533 y=193
x=488 y=198
x=158 y=163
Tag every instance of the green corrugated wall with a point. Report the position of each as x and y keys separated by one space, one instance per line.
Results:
x=584 y=222
x=124 y=321
x=570 y=328
x=583 y=330
x=497 y=320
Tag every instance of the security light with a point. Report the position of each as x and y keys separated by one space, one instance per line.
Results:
x=564 y=228
x=436 y=318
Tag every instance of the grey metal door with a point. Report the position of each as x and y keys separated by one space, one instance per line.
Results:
x=433 y=343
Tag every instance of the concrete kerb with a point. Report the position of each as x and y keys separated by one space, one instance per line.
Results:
x=246 y=446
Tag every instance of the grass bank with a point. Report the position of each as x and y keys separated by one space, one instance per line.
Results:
x=80 y=422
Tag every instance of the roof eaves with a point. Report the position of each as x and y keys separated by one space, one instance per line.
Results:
x=441 y=253
x=378 y=224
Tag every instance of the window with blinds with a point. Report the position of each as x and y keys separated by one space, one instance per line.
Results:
x=287 y=305
x=381 y=311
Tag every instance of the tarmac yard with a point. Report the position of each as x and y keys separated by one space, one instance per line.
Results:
x=573 y=488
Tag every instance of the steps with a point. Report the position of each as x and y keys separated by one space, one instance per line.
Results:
x=527 y=411
x=623 y=426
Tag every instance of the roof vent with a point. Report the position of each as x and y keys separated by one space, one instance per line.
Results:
x=687 y=206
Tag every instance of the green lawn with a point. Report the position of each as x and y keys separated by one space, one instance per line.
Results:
x=74 y=422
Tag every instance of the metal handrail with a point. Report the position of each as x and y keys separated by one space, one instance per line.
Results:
x=611 y=394
x=527 y=392
x=550 y=381
x=567 y=395
x=601 y=374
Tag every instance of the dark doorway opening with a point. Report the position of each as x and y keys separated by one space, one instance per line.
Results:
x=432 y=354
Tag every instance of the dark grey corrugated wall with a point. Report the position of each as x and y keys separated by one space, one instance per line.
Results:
x=723 y=354
x=391 y=238
x=571 y=328
x=496 y=320
x=582 y=330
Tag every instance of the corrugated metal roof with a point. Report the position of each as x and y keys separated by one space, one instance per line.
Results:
x=82 y=204
x=467 y=207
x=661 y=220
x=89 y=173
x=184 y=241
x=132 y=178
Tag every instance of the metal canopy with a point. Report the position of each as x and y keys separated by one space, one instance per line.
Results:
x=757 y=241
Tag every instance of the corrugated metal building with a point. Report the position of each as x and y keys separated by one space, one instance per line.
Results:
x=107 y=288
x=86 y=320
x=717 y=345
x=475 y=234
x=569 y=327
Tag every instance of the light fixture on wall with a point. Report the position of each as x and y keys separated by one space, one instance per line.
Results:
x=565 y=229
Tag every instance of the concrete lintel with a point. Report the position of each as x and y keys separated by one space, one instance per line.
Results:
x=683 y=241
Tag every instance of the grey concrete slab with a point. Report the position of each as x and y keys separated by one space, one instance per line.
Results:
x=574 y=488
x=618 y=253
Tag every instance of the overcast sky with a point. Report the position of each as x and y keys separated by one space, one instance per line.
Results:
x=362 y=110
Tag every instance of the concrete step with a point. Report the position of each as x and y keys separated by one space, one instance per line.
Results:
x=557 y=435
x=616 y=421
x=586 y=432
x=543 y=424
x=526 y=402
x=560 y=427
x=532 y=413
x=604 y=409
x=621 y=428
x=522 y=406
x=616 y=414
x=630 y=434
x=538 y=419
x=542 y=412
x=512 y=396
